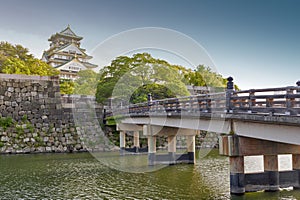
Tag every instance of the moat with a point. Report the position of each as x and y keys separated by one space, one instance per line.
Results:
x=82 y=176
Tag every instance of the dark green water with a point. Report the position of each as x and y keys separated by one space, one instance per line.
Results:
x=81 y=176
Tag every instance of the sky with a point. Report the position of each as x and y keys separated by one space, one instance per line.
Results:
x=257 y=42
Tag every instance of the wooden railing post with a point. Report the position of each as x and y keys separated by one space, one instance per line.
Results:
x=297 y=100
x=289 y=102
x=191 y=104
x=298 y=84
x=149 y=101
x=156 y=106
x=252 y=100
x=208 y=103
x=229 y=91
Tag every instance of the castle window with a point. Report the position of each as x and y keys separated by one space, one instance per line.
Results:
x=74 y=68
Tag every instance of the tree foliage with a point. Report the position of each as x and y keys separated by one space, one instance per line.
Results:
x=15 y=59
x=66 y=86
x=157 y=91
x=132 y=78
x=204 y=76
x=86 y=83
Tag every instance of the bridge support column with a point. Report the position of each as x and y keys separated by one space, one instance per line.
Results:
x=122 y=142
x=191 y=147
x=151 y=150
x=271 y=179
x=172 y=149
x=296 y=168
x=271 y=169
x=136 y=141
x=237 y=175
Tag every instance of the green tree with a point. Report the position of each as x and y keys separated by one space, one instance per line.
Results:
x=126 y=75
x=157 y=92
x=204 y=76
x=31 y=66
x=132 y=78
x=86 y=83
x=66 y=86
x=8 y=50
x=15 y=59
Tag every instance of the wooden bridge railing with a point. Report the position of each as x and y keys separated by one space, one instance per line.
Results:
x=270 y=101
x=281 y=101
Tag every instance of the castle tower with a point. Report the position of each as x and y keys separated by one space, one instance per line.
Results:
x=66 y=55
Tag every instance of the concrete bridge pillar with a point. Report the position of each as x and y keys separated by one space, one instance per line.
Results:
x=191 y=148
x=296 y=168
x=236 y=147
x=272 y=173
x=237 y=175
x=148 y=131
x=122 y=142
x=153 y=131
x=172 y=149
x=151 y=150
x=136 y=141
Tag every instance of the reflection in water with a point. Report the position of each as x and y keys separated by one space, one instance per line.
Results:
x=81 y=176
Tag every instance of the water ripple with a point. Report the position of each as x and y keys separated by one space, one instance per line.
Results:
x=81 y=176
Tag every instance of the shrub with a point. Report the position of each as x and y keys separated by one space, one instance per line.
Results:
x=6 y=122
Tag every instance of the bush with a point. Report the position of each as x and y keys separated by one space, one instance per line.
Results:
x=6 y=122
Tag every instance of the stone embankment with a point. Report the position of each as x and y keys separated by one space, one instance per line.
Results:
x=34 y=117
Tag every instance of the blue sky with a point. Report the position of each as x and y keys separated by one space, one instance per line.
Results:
x=257 y=42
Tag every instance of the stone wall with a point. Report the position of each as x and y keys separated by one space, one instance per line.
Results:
x=36 y=118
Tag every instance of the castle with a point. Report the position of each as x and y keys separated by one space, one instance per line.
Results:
x=66 y=55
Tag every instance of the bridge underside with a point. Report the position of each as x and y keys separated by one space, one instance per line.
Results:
x=154 y=131
x=270 y=129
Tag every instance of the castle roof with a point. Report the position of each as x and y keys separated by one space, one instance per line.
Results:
x=68 y=66
x=68 y=33
x=72 y=47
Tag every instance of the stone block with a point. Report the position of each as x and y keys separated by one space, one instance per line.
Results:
x=10 y=89
x=17 y=90
x=41 y=149
x=26 y=150
x=33 y=94
x=8 y=94
x=2 y=107
x=7 y=103
x=78 y=146
x=4 y=139
x=48 y=149
x=9 y=109
x=46 y=139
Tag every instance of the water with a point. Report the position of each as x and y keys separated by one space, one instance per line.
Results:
x=81 y=176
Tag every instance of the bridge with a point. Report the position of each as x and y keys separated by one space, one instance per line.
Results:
x=249 y=122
